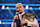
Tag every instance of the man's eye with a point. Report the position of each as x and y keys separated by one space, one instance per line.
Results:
x=20 y=6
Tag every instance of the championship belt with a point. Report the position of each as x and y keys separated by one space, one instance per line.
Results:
x=27 y=16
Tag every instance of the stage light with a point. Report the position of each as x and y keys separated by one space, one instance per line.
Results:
x=3 y=22
x=39 y=7
x=3 y=6
x=7 y=7
x=30 y=7
x=0 y=22
x=27 y=7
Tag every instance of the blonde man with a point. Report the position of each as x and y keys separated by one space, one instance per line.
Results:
x=20 y=8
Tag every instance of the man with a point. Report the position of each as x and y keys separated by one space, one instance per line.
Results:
x=20 y=8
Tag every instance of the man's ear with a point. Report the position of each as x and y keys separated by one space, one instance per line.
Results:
x=23 y=7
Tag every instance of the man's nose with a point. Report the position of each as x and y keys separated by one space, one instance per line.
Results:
x=19 y=8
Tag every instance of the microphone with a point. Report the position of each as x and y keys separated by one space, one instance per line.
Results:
x=17 y=13
x=17 y=20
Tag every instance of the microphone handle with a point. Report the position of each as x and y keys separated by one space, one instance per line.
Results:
x=18 y=22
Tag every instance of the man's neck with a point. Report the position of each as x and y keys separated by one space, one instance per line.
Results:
x=21 y=12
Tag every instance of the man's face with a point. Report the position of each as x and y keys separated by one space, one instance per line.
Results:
x=19 y=8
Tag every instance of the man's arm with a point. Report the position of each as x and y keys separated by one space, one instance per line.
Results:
x=23 y=22
x=35 y=23
x=30 y=23
x=15 y=17
x=12 y=25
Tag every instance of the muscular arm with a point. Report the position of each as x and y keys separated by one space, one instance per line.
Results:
x=34 y=23
x=23 y=22
x=30 y=23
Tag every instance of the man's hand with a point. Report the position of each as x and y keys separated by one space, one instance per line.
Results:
x=23 y=22
x=15 y=17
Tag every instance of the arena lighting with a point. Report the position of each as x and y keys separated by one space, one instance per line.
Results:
x=3 y=6
x=39 y=7
x=7 y=7
x=27 y=7
x=30 y=7
x=9 y=11
x=0 y=21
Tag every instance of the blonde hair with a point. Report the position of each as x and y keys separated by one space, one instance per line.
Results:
x=19 y=4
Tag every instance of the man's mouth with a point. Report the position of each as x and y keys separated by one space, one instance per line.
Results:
x=20 y=12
